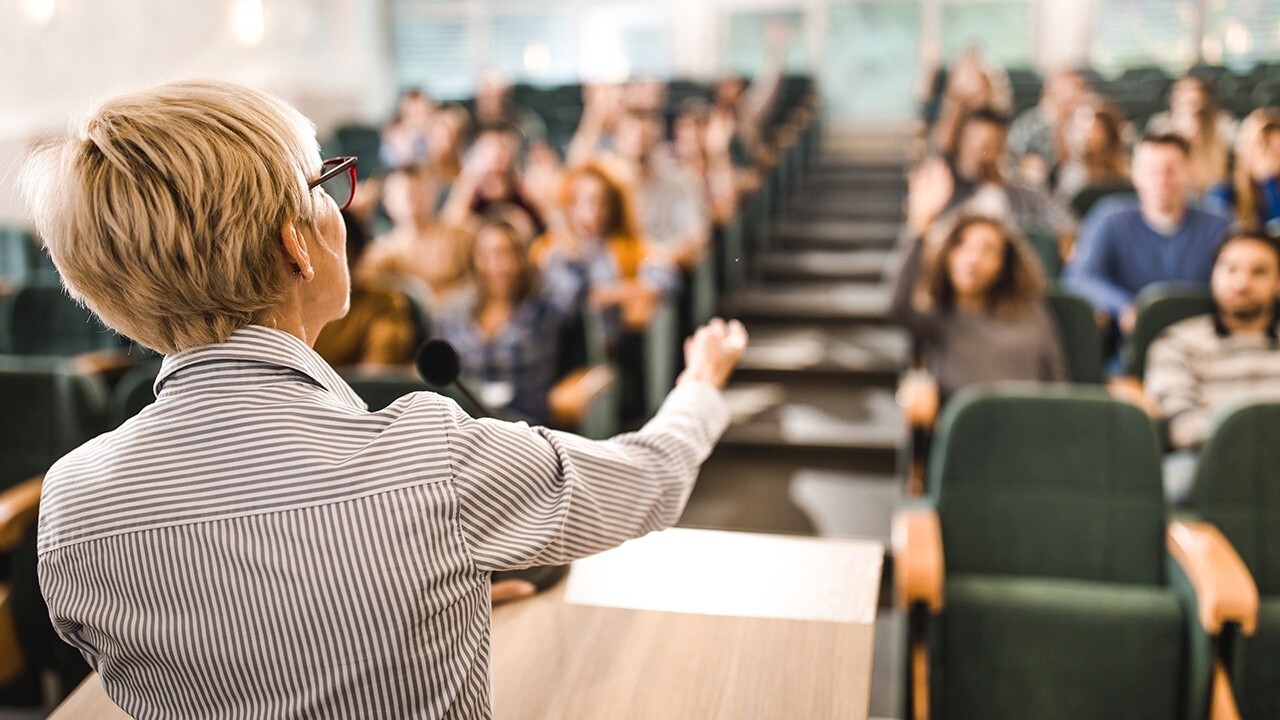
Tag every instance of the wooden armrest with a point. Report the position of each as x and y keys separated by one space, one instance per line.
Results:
x=918 y=569
x=18 y=507
x=1225 y=591
x=11 y=659
x=572 y=395
x=108 y=363
x=918 y=397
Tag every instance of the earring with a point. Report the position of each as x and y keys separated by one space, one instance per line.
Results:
x=297 y=270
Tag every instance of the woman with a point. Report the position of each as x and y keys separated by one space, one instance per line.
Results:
x=449 y=128
x=1253 y=195
x=421 y=255
x=1194 y=114
x=597 y=255
x=975 y=305
x=1099 y=161
x=256 y=543
x=701 y=143
x=503 y=327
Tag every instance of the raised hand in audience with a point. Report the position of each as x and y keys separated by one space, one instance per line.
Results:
x=929 y=189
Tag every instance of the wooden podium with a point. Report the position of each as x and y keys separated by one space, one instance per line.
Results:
x=680 y=624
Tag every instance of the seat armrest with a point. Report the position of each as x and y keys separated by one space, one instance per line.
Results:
x=570 y=398
x=1225 y=591
x=918 y=568
x=18 y=508
x=919 y=399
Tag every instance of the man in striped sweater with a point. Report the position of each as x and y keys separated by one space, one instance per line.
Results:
x=1202 y=364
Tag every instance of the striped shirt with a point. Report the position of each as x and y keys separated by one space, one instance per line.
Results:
x=1195 y=369
x=256 y=544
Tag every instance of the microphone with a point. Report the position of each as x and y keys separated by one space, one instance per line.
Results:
x=438 y=364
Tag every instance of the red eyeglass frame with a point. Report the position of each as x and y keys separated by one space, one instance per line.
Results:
x=332 y=168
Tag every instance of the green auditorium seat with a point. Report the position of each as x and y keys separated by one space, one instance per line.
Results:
x=1160 y=306
x=43 y=320
x=17 y=257
x=1054 y=597
x=1237 y=490
x=1046 y=247
x=49 y=408
x=134 y=391
x=661 y=352
x=1081 y=337
x=364 y=142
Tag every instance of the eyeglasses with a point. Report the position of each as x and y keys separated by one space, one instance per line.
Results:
x=338 y=180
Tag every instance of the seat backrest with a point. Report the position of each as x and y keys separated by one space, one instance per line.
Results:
x=47 y=409
x=134 y=391
x=1046 y=248
x=45 y=321
x=1051 y=482
x=17 y=256
x=1081 y=336
x=1237 y=486
x=381 y=389
x=1160 y=306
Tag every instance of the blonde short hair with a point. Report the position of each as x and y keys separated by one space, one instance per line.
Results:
x=163 y=209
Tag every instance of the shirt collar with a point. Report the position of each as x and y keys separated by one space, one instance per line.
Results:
x=256 y=343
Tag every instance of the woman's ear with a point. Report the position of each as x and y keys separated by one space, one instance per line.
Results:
x=295 y=250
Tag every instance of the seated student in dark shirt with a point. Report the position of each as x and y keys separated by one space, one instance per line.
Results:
x=972 y=299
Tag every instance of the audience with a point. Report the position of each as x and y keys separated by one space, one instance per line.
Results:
x=406 y=139
x=421 y=255
x=596 y=255
x=671 y=204
x=1203 y=364
x=504 y=326
x=1128 y=243
x=449 y=128
x=378 y=328
x=491 y=179
x=701 y=145
x=979 y=174
x=1195 y=115
x=1097 y=163
x=1038 y=138
x=975 y=304
x=971 y=84
x=496 y=106
x=1253 y=196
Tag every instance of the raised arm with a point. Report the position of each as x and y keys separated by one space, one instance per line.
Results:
x=532 y=496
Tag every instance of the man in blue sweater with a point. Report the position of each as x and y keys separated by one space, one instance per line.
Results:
x=1127 y=243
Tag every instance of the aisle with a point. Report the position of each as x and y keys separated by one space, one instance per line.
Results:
x=816 y=432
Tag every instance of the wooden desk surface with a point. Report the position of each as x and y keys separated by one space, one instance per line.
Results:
x=682 y=623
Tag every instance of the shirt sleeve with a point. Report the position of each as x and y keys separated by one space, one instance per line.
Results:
x=1090 y=271
x=532 y=496
x=1173 y=383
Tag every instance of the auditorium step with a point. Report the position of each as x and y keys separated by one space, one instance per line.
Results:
x=815 y=413
x=818 y=301
x=814 y=234
x=885 y=206
x=869 y=353
x=784 y=264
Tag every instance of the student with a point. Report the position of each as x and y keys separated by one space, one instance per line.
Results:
x=1209 y=130
x=1097 y=163
x=1127 y=243
x=1038 y=138
x=974 y=299
x=978 y=169
x=1253 y=195
x=503 y=326
x=1200 y=365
